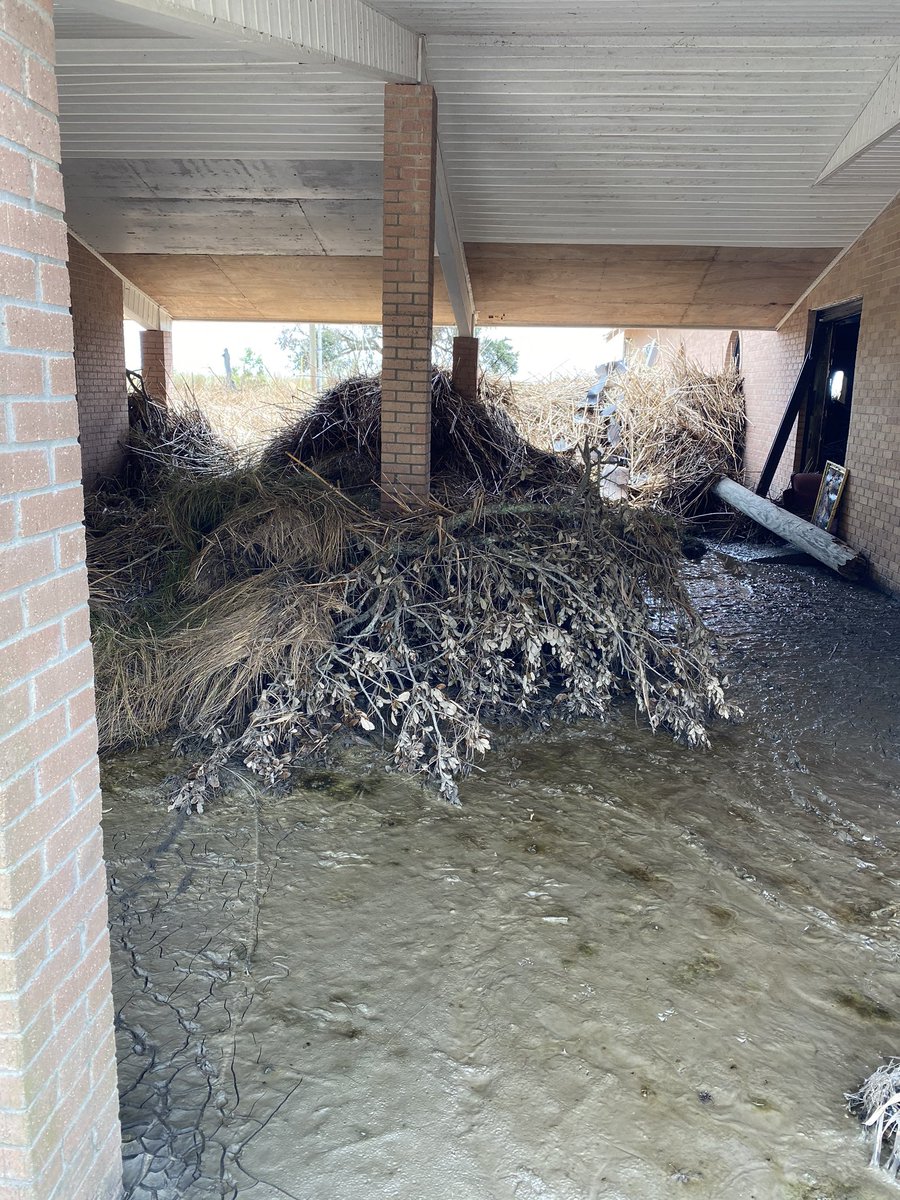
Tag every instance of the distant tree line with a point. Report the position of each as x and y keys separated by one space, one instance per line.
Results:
x=346 y=350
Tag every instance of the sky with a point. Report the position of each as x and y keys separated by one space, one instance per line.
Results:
x=197 y=347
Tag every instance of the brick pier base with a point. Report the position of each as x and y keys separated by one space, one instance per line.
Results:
x=465 y=366
x=156 y=363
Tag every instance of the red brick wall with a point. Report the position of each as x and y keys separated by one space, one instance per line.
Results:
x=410 y=125
x=97 y=316
x=59 y=1134
x=871 y=510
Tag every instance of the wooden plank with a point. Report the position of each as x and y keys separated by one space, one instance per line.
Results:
x=773 y=458
x=640 y=286
x=821 y=545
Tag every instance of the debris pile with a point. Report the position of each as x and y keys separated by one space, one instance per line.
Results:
x=877 y=1104
x=474 y=445
x=257 y=609
x=678 y=427
x=665 y=432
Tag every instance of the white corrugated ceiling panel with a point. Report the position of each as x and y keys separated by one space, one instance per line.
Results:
x=154 y=94
x=637 y=18
x=650 y=122
x=650 y=139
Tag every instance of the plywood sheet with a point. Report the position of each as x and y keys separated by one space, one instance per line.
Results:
x=700 y=286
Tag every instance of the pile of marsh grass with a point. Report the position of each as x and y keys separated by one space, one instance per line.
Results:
x=548 y=412
x=678 y=427
x=255 y=609
x=674 y=427
x=474 y=444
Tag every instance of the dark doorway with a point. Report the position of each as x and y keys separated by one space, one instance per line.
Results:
x=825 y=420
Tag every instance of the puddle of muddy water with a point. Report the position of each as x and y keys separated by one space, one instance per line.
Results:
x=623 y=969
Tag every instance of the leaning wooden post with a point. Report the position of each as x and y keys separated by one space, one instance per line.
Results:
x=820 y=544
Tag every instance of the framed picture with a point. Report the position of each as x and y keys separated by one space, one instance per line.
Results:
x=829 y=498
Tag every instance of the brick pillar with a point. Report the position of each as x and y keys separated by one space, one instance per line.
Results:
x=156 y=362
x=97 y=317
x=465 y=366
x=410 y=121
x=59 y=1132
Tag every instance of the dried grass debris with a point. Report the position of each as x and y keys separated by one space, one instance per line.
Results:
x=877 y=1104
x=474 y=444
x=680 y=428
x=673 y=427
x=254 y=609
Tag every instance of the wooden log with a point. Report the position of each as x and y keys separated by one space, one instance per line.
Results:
x=818 y=542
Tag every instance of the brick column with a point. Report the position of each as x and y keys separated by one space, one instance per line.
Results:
x=410 y=122
x=97 y=318
x=465 y=366
x=59 y=1132
x=156 y=362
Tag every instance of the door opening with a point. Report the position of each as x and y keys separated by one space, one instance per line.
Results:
x=825 y=418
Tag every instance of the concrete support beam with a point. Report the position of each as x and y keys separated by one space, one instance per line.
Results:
x=452 y=254
x=136 y=304
x=156 y=363
x=410 y=139
x=465 y=366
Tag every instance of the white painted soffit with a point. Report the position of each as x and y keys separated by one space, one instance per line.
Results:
x=344 y=33
x=875 y=124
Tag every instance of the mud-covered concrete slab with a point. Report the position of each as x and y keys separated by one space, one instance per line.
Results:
x=623 y=969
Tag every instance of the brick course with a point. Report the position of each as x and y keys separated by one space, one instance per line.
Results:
x=410 y=128
x=59 y=1136
x=97 y=317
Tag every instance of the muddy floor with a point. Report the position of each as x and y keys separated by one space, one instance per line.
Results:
x=623 y=969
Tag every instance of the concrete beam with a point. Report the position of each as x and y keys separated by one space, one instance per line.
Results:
x=697 y=287
x=449 y=244
x=345 y=33
x=137 y=305
x=453 y=255
x=878 y=120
